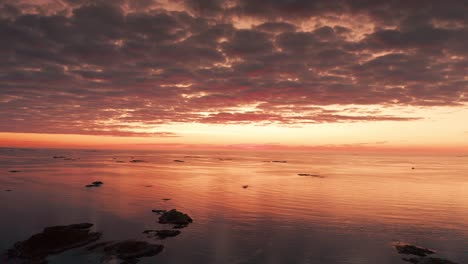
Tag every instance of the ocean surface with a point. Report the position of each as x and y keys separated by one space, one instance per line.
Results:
x=362 y=205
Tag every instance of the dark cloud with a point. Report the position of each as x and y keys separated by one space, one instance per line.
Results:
x=276 y=27
x=114 y=67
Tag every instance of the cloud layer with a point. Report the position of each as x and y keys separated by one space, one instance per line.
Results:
x=113 y=67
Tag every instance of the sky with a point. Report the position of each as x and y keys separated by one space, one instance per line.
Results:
x=239 y=73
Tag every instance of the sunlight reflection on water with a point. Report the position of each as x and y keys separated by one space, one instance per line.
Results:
x=364 y=203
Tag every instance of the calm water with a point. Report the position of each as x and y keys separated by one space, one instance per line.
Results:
x=353 y=215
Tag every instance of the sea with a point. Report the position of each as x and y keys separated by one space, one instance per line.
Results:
x=248 y=206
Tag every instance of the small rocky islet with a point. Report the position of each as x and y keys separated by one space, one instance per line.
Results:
x=413 y=250
x=310 y=175
x=174 y=217
x=94 y=184
x=420 y=255
x=52 y=240
x=64 y=158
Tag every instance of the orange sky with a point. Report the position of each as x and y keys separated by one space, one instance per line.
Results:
x=441 y=130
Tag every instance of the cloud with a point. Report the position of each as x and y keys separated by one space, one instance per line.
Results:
x=108 y=67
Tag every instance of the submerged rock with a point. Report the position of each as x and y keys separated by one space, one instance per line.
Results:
x=413 y=250
x=175 y=217
x=136 y=160
x=161 y=234
x=428 y=260
x=166 y=199
x=131 y=250
x=279 y=161
x=7 y=190
x=435 y=261
x=13 y=171
x=245 y=186
x=99 y=245
x=52 y=240
x=127 y=251
x=97 y=183
x=158 y=211
x=179 y=161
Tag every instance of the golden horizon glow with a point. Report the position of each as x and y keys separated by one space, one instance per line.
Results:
x=440 y=129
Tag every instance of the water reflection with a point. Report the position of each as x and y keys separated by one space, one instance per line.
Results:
x=363 y=204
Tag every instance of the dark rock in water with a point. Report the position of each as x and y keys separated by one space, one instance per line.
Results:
x=422 y=255
x=149 y=185
x=428 y=260
x=412 y=168
x=52 y=240
x=166 y=199
x=175 y=217
x=94 y=184
x=13 y=171
x=245 y=186
x=119 y=161
x=412 y=260
x=279 y=161
x=136 y=160
x=98 y=245
x=59 y=157
x=161 y=234
x=413 y=250
x=7 y=190
x=130 y=250
x=435 y=261
x=158 y=211
x=179 y=161
x=311 y=175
